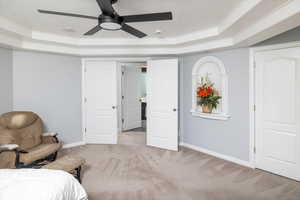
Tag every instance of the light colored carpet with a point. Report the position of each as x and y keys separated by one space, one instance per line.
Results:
x=132 y=171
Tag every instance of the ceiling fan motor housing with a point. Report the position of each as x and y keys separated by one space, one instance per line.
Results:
x=114 y=1
x=110 y=23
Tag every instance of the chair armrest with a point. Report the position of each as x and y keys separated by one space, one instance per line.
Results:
x=52 y=134
x=50 y=137
x=11 y=147
x=8 y=147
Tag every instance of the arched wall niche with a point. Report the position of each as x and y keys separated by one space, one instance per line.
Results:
x=213 y=68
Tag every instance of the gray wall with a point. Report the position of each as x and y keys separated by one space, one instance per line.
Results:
x=230 y=137
x=50 y=85
x=289 y=36
x=6 y=83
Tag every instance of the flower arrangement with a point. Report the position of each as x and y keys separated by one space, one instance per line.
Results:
x=207 y=95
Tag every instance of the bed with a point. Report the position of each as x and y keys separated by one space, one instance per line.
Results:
x=39 y=184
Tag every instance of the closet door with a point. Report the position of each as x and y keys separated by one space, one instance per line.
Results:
x=162 y=104
x=278 y=112
x=101 y=102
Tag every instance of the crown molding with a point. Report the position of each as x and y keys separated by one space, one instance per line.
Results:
x=275 y=22
x=123 y=51
x=238 y=13
x=84 y=42
x=282 y=19
x=10 y=41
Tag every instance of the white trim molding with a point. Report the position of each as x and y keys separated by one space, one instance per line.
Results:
x=252 y=107
x=75 y=144
x=214 y=116
x=218 y=155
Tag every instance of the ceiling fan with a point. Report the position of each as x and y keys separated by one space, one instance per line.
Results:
x=112 y=21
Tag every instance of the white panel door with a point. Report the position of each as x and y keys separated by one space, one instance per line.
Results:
x=162 y=104
x=101 y=105
x=278 y=112
x=132 y=110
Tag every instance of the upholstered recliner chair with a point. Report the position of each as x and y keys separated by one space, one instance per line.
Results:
x=22 y=142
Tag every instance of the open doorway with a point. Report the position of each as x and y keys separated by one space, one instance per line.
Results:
x=102 y=101
x=134 y=103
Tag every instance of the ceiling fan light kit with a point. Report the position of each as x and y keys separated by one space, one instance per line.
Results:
x=110 y=23
x=110 y=20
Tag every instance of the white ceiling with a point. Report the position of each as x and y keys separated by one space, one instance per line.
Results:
x=198 y=25
x=189 y=15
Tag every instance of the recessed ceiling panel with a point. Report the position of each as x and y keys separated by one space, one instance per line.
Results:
x=189 y=15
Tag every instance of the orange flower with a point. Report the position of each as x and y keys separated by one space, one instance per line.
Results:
x=209 y=91
x=203 y=93
x=199 y=93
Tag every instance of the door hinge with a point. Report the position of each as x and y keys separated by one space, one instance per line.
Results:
x=254 y=108
x=123 y=73
x=254 y=64
x=254 y=150
x=85 y=69
x=123 y=121
x=85 y=130
x=85 y=99
x=123 y=97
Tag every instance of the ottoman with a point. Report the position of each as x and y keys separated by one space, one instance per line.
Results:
x=69 y=164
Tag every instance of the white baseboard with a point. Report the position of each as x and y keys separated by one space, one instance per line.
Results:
x=218 y=155
x=66 y=146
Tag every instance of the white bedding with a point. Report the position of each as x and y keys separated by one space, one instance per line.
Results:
x=39 y=184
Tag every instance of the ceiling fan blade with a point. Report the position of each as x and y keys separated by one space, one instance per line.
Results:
x=148 y=17
x=106 y=7
x=93 y=30
x=133 y=31
x=66 y=14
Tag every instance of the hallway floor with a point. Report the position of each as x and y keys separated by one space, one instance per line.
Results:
x=133 y=137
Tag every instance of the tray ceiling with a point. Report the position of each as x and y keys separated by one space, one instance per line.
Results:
x=189 y=15
x=198 y=25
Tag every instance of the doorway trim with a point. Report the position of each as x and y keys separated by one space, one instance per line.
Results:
x=83 y=83
x=252 y=92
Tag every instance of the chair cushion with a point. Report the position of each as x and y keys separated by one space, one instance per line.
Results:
x=8 y=136
x=39 y=152
x=17 y=120
x=22 y=128
x=31 y=136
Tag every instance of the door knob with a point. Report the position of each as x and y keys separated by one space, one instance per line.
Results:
x=113 y=107
x=174 y=109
